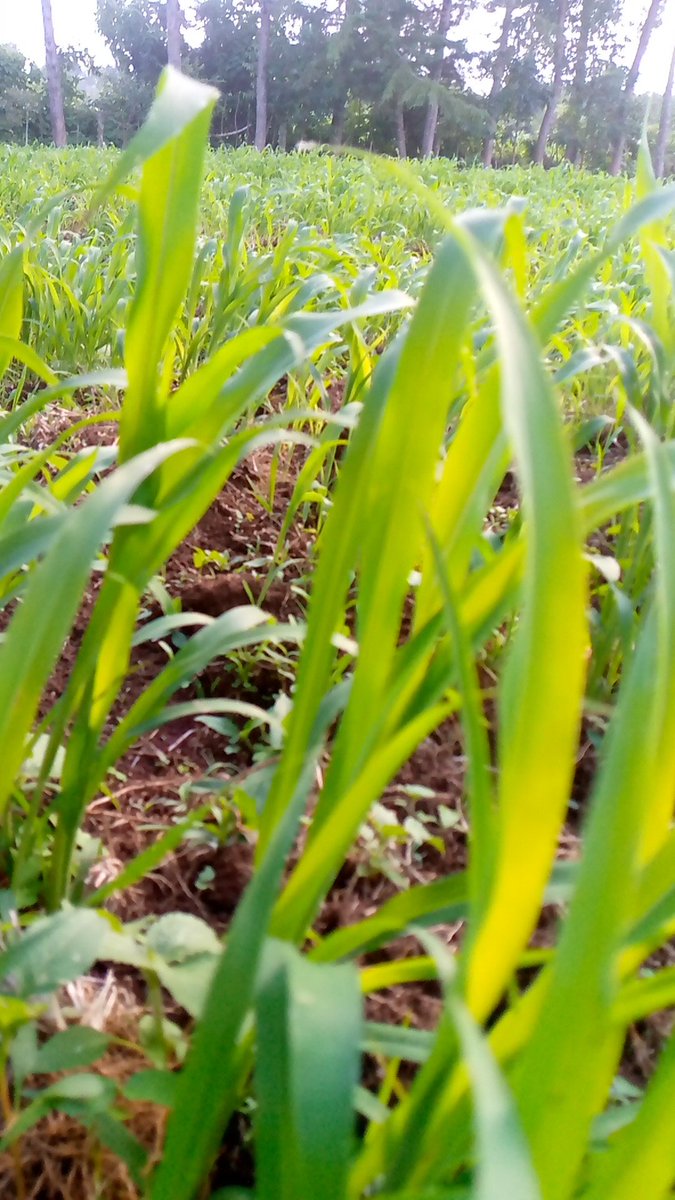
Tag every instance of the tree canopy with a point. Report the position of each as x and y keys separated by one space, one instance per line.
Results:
x=551 y=80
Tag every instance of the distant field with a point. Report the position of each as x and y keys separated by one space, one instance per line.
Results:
x=338 y=192
x=280 y=232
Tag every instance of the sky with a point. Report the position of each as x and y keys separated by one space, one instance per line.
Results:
x=75 y=25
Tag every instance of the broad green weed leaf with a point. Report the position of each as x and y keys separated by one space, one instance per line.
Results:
x=74 y=1047
x=152 y=1087
x=53 y=951
x=180 y=936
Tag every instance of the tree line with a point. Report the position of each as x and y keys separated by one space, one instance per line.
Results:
x=556 y=79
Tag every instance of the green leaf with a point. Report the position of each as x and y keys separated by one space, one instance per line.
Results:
x=309 y=1026
x=180 y=101
x=11 y=302
x=641 y=1157
x=38 y=629
x=178 y=937
x=152 y=1087
x=189 y=982
x=112 y=1133
x=53 y=951
x=208 y=1085
x=172 y=144
x=541 y=695
x=74 y=1047
x=15 y=1013
x=11 y=347
x=394 y=1041
x=441 y=902
x=83 y=1095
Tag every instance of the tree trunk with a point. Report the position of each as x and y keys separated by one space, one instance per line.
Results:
x=261 y=81
x=665 y=122
x=551 y=110
x=337 y=125
x=499 y=73
x=651 y=21
x=433 y=107
x=53 y=77
x=546 y=128
x=343 y=39
x=173 y=38
x=489 y=148
x=401 y=140
x=581 y=63
x=580 y=76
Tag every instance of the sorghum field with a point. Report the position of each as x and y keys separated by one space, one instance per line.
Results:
x=337 y=713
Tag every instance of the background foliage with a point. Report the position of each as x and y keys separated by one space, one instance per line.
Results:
x=365 y=72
